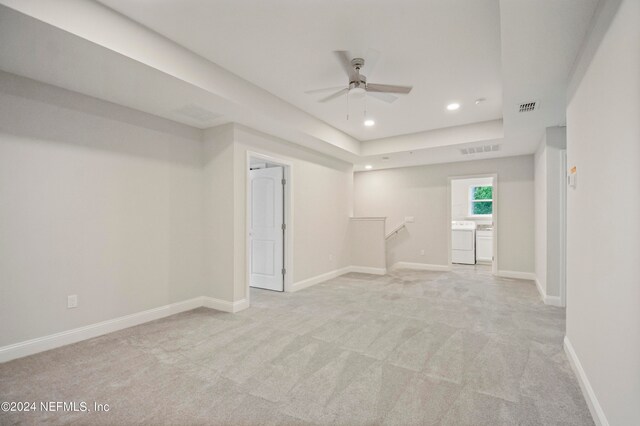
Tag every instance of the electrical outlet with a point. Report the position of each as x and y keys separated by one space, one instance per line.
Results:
x=422 y=252
x=72 y=301
x=330 y=257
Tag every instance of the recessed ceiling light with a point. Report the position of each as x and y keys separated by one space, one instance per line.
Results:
x=452 y=107
x=369 y=122
x=368 y=167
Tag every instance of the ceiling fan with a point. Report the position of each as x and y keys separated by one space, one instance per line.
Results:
x=358 y=82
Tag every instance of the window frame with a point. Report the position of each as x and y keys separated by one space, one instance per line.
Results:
x=472 y=201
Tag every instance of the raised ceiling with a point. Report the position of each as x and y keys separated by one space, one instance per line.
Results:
x=207 y=62
x=449 y=50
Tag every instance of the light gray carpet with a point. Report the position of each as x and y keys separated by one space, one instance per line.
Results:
x=408 y=348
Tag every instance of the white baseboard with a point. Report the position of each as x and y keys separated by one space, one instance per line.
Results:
x=40 y=344
x=52 y=341
x=420 y=266
x=517 y=275
x=589 y=395
x=365 y=270
x=224 y=305
x=240 y=305
x=540 y=291
x=553 y=301
x=548 y=300
x=368 y=270
x=320 y=278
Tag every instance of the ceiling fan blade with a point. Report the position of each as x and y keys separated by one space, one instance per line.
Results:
x=370 y=61
x=345 y=62
x=388 y=88
x=387 y=97
x=326 y=89
x=335 y=95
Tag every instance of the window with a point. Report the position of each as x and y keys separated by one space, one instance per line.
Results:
x=481 y=200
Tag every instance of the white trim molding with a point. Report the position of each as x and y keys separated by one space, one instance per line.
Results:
x=368 y=270
x=420 y=266
x=225 y=305
x=320 y=278
x=587 y=391
x=540 y=291
x=517 y=275
x=40 y=344
x=548 y=300
x=553 y=301
x=52 y=341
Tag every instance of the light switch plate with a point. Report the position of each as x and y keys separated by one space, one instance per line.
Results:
x=409 y=219
x=572 y=177
x=72 y=301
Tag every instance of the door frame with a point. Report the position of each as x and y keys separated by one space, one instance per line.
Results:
x=494 y=264
x=563 y=230
x=287 y=166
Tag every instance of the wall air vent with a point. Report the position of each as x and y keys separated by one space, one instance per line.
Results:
x=528 y=106
x=479 y=149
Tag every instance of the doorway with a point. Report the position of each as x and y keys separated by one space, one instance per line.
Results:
x=268 y=222
x=473 y=221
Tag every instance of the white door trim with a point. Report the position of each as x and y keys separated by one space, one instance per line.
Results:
x=563 y=228
x=494 y=264
x=287 y=164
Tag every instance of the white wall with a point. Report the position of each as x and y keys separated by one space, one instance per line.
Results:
x=219 y=214
x=95 y=200
x=540 y=178
x=460 y=196
x=422 y=192
x=368 y=247
x=603 y=211
x=132 y=212
x=549 y=214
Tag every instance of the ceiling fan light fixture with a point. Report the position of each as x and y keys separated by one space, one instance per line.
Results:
x=369 y=122
x=453 y=106
x=358 y=85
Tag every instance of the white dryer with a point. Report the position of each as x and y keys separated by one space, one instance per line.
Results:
x=463 y=242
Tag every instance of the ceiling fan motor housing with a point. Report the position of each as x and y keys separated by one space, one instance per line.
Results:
x=357 y=63
x=359 y=83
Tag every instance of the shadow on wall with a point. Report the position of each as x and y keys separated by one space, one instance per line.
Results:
x=104 y=126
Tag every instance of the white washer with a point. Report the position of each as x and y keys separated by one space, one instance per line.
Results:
x=463 y=242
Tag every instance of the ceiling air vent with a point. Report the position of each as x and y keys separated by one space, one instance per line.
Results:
x=197 y=113
x=479 y=149
x=528 y=106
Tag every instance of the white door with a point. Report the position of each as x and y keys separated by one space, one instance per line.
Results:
x=266 y=233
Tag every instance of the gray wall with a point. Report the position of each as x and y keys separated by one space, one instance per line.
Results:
x=422 y=192
x=95 y=200
x=603 y=219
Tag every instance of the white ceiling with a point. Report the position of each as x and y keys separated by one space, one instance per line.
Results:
x=449 y=50
x=251 y=61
